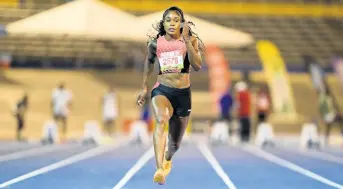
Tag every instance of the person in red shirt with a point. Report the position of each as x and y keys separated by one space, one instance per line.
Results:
x=244 y=104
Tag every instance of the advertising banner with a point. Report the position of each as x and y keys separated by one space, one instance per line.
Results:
x=277 y=77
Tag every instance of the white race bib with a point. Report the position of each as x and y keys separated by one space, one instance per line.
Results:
x=171 y=62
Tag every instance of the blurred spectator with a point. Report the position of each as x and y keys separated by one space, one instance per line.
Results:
x=328 y=113
x=244 y=104
x=226 y=102
x=262 y=105
x=61 y=103
x=19 y=113
x=110 y=110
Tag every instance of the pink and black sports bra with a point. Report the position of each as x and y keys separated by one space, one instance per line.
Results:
x=172 y=56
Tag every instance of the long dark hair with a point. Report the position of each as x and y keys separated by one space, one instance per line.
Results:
x=161 y=32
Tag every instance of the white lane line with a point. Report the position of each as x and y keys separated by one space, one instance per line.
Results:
x=17 y=146
x=216 y=166
x=73 y=159
x=325 y=156
x=284 y=163
x=138 y=166
x=319 y=155
x=33 y=152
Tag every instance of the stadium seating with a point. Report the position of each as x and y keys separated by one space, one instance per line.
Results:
x=61 y=47
x=294 y=36
x=8 y=15
x=9 y=3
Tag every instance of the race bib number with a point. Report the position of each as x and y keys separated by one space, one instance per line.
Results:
x=171 y=62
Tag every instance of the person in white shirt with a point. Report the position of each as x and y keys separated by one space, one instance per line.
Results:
x=110 y=110
x=61 y=103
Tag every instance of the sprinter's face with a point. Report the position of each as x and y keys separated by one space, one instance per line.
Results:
x=172 y=23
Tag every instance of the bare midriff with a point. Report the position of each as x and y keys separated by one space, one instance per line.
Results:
x=175 y=80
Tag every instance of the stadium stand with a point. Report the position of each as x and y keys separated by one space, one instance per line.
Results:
x=294 y=35
x=9 y=3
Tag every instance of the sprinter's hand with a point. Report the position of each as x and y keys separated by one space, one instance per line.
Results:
x=185 y=31
x=141 y=97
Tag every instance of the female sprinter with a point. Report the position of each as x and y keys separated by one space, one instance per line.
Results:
x=176 y=49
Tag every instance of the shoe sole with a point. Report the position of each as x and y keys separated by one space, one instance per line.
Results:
x=160 y=179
